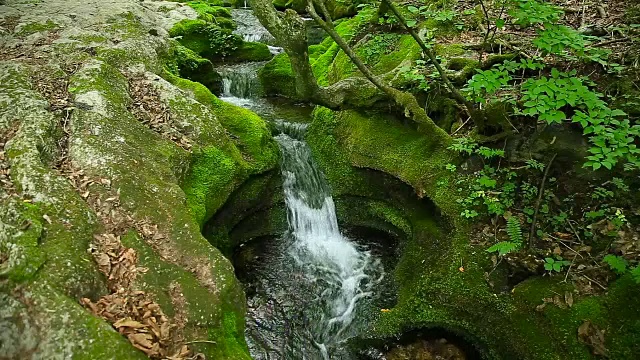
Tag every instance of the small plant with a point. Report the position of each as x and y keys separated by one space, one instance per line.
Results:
x=514 y=230
x=557 y=264
x=463 y=145
x=503 y=248
x=531 y=12
x=635 y=274
x=534 y=164
x=616 y=263
x=515 y=238
x=469 y=214
x=442 y=16
x=451 y=167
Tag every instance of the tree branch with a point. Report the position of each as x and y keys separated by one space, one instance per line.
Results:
x=532 y=231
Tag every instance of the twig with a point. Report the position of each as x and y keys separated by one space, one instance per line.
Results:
x=568 y=271
x=513 y=47
x=574 y=230
x=461 y=126
x=609 y=42
x=200 y=341
x=597 y=283
x=569 y=247
x=540 y=193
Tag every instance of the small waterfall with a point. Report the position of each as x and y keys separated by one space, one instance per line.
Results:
x=344 y=273
x=249 y=27
x=240 y=83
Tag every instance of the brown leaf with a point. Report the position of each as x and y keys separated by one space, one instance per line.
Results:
x=143 y=340
x=128 y=323
x=593 y=337
x=568 y=298
x=583 y=330
x=104 y=262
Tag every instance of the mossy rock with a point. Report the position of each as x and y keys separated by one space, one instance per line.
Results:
x=277 y=77
x=217 y=44
x=41 y=321
x=32 y=28
x=196 y=68
x=205 y=39
x=337 y=9
x=208 y=11
x=251 y=51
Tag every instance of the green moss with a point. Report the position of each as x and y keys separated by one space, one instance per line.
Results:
x=254 y=138
x=192 y=34
x=33 y=28
x=277 y=77
x=322 y=62
x=209 y=12
x=234 y=346
x=19 y=241
x=392 y=216
x=126 y=26
x=383 y=143
x=215 y=171
x=215 y=41
x=465 y=67
x=251 y=51
x=212 y=172
x=192 y=66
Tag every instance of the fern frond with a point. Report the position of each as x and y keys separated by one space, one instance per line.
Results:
x=503 y=248
x=514 y=230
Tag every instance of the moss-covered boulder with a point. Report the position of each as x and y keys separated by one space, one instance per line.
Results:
x=192 y=66
x=117 y=150
x=216 y=43
x=277 y=77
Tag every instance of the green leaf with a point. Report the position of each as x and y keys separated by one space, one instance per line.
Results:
x=635 y=273
x=411 y=23
x=503 y=248
x=616 y=263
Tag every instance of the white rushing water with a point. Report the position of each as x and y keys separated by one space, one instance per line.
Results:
x=319 y=248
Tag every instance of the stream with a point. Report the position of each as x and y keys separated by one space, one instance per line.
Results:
x=313 y=288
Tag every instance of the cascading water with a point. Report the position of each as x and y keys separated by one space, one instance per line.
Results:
x=314 y=286
x=250 y=28
x=312 y=289
x=345 y=272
